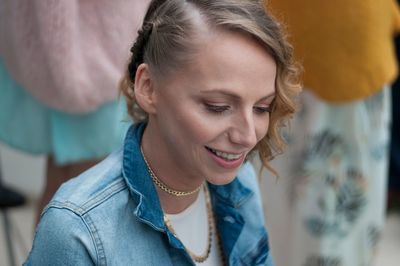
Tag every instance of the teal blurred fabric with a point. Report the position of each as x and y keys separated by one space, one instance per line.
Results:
x=28 y=125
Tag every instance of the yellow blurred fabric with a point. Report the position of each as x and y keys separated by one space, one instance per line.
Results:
x=346 y=47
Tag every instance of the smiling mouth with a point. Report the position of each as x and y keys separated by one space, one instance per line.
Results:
x=225 y=155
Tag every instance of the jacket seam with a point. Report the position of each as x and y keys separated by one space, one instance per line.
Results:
x=101 y=256
x=98 y=199
x=103 y=195
x=97 y=244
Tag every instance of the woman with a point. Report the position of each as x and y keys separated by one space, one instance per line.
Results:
x=209 y=82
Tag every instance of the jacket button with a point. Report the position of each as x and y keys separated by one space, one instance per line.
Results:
x=229 y=219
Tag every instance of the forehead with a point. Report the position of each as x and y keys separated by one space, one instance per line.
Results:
x=230 y=62
x=230 y=48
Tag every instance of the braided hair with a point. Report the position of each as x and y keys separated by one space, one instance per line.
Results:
x=161 y=39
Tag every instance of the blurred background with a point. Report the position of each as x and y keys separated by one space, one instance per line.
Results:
x=58 y=119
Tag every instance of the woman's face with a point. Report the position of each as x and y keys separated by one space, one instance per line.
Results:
x=211 y=114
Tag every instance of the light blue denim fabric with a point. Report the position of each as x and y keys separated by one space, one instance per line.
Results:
x=111 y=215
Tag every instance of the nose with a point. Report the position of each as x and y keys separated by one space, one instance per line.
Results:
x=243 y=130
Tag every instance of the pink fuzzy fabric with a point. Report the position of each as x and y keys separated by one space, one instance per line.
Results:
x=69 y=54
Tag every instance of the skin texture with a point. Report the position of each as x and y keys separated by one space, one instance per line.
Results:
x=220 y=101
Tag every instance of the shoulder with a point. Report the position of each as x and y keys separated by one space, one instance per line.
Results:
x=70 y=225
x=92 y=187
x=62 y=238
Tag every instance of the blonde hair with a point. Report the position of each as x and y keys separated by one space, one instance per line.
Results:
x=166 y=43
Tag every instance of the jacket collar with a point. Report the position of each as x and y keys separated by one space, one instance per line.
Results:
x=137 y=177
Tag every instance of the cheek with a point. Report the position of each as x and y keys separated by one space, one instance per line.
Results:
x=262 y=128
x=201 y=129
x=188 y=123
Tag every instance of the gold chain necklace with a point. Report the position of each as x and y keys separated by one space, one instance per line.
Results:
x=203 y=257
x=163 y=186
x=210 y=216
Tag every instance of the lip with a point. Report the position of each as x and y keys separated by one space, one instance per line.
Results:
x=227 y=164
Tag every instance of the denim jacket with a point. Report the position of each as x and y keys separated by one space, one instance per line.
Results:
x=111 y=215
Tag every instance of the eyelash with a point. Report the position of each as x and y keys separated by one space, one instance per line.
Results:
x=219 y=109
x=262 y=110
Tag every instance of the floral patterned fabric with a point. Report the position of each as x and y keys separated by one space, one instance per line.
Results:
x=327 y=207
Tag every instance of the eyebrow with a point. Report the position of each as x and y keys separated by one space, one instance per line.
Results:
x=233 y=95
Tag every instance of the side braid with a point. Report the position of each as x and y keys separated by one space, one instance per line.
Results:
x=137 y=58
x=138 y=49
x=138 y=53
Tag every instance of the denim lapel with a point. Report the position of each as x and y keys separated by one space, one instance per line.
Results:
x=139 y=181
x=227 y=200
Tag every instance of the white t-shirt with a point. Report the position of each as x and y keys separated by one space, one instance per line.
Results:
x=191 y=227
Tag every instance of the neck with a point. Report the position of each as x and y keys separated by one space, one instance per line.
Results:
x=173 y=205
x=163 y=167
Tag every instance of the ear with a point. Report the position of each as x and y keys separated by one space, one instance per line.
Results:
x=144 y=89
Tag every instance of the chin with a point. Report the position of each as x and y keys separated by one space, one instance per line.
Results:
x=221 y=181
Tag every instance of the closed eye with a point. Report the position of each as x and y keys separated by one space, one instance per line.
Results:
x=262 y=109
x=216 y=108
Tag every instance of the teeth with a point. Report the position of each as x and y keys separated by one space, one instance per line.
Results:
x=227 y=156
